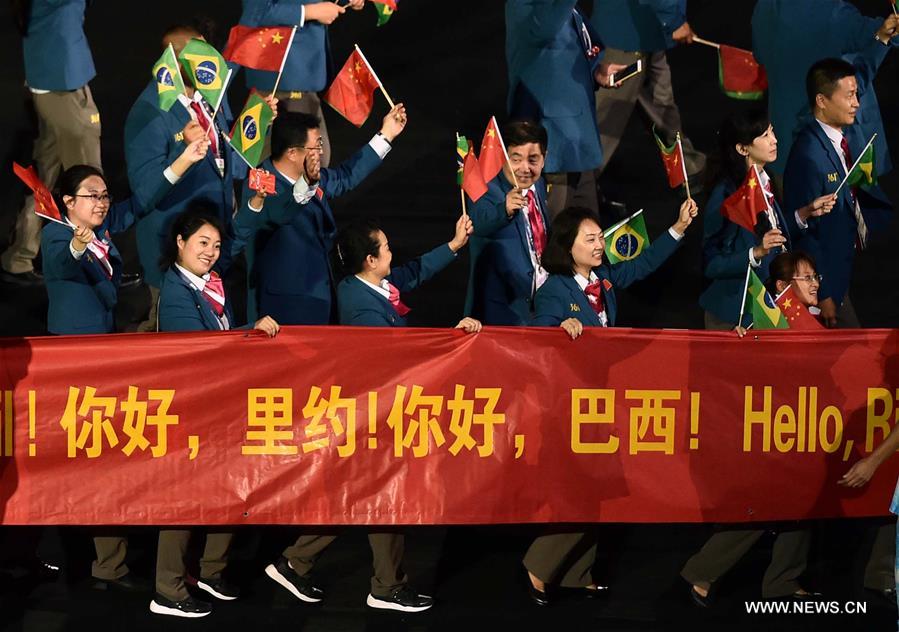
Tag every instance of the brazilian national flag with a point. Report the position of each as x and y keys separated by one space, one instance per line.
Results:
x=207 y=69
x=167 y=74
x=461 y=152
x=385 y=9
x=627 y=239
x=864 y=172
x=765 y=312
x=250 y=128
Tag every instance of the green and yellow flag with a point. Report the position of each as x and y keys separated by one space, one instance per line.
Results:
x=250 y=128
x=864 y=172
x=167 y=74
x=765 y=312
x=627 y=239
x=385 y=9
x=207 y=69
x=461 y=152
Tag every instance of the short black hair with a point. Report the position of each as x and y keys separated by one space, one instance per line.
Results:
x=291 y=129
x=557 y=257
x=740 y=129
x=198 y=213
x=355 y=243
x=823 y=76
x=783 y=267
x=522 y=132
x=69 y=181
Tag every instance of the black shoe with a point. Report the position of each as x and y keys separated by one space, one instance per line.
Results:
x=539 y=597
x=404 y=599
x=699 y=600
x=189 y=608
x=219 y=588
x=594 y=593
x=299 y=586
x=130 y=280
x=24 y=279
x=885 y=597
x=126 y=583
x=805 y=596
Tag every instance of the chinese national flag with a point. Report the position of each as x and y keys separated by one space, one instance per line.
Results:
x=740 y=74
x=744 y=205
x=258 y=48
x=673 y=160
x=797 y=314
x=493 y=157
x=44 y=204
x=352 y=91
x=473 y=182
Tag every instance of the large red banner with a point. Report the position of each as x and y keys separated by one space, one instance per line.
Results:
x=328 y=425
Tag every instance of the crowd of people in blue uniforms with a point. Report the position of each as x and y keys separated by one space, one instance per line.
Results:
x=537 y=246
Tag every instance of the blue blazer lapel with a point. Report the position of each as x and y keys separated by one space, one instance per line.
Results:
x=588 y=316
x=828 y=147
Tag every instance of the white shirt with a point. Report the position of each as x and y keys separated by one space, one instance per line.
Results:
x=383 y=289
x=199 y=284
x=583 y=283
x=170 y=175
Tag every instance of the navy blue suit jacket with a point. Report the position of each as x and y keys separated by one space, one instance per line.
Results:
x=501 y=277
x=360 y=305
x=725 y=255
x=57 y=56
x=150 y=147
x=289 y=273
x=638 y=25
x=308 y=62
x=551 y=79
x=183 y=308
x=561 y=298
x=82 y=297
x=813 y=170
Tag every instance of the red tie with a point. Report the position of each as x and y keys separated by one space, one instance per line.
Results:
x=595 y=290
x=394 y=299
x=203 y=120
x=538 y=232
x=214 y=284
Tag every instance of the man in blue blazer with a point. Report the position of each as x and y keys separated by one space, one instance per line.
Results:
x=821 y=155
x=171 y=161
x=828 y=29
x=58 y=67
x=308 y=64
x=554 y=60
x=288 y=240
x=505 y=262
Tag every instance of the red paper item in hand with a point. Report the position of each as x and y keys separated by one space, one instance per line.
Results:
x=262 y=181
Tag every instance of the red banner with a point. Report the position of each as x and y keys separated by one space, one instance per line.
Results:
x=328 y=425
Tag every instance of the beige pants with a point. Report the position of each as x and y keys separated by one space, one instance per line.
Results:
x=170 y=567
x=68 y=135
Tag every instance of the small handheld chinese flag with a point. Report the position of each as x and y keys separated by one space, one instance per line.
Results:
x=472 y=177
x=258 y=48
x=262 y=181
x=44 y=204
x=744 y=204
x=741 y=76
x=798 y=316
x=352 y=91
x=493 y=153
x=673 y=160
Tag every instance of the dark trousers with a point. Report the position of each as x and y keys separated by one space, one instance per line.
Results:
x=565 y=559
x=170 y=567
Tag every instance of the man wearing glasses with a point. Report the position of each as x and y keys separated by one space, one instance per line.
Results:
x=289 y=236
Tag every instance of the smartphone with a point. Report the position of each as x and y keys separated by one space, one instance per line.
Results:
x=626 y=73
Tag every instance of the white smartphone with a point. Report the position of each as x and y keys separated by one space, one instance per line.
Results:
x=626 y=73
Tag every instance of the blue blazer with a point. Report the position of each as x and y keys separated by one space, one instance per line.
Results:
x=150 y=147
x=308 y=62
x=289 y=273
x=829 y=29
x=725 y=255
x=561 y=298
x=638 y=25
x=551 y=79
x=57 y=56
x=360 y=305
x=813 y=170
x=501 y=276
x=183 y=308
x=867 y=117
x=82 y=297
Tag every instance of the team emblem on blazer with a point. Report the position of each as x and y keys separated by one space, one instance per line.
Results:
x=574 y=307
x=832 y=177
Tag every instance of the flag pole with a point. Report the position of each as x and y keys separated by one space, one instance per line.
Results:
x=284 y=60
x=53 y=219
x=893 y=7
x=461 y=190
x=218 y=105
x=743 y=300
x=699 y=40
x=244 y=158
x=854 y=164
x=502 y=144
x=609 y=231
x=375 y=75
x=683 y=165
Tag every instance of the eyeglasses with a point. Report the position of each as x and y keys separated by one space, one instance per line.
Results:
x=809 y=278
x=320 y=147
x=98 y=198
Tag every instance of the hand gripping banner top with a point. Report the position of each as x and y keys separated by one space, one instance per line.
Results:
x=335 y=425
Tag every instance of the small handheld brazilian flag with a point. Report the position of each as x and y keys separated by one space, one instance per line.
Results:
x=250 y=128
x=461 y=152
x=385 y=9
x=207 y=69
x=765 y=312
x=627 y=239
x=864 y=172
x=167 y=74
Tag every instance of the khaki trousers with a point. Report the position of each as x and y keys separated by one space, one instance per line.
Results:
x=565 y=559
x=110 y=562
x=170 y=568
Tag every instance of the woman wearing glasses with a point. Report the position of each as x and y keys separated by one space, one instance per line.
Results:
x=82 y=267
